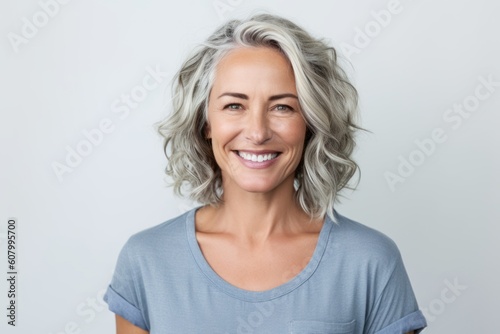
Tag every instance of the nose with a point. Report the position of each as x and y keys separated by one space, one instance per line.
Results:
x=257 y=129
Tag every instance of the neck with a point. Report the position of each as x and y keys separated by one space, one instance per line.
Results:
x=253 y=218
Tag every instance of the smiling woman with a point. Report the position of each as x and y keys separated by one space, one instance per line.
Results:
x=262 y=133
x=255 y=125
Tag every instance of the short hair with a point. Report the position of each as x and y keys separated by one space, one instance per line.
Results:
x=328 y=100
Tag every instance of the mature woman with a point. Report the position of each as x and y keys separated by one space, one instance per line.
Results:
x=261 y=134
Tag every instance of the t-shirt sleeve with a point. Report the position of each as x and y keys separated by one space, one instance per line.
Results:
x=395 y=310
x=123 y=293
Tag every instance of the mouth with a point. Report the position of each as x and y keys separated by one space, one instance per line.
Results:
x=258 y=157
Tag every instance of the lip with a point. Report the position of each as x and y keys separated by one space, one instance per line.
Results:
x=257 y=152
x=256 y=164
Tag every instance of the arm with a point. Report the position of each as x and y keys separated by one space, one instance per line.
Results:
x=125 y=327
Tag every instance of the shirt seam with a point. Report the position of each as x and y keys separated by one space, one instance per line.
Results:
x=377 y=300
x=256 y=299
x=134 y=284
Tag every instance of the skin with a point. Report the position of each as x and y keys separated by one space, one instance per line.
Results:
x=125 y=327
x=259 y=238
x=253 y=107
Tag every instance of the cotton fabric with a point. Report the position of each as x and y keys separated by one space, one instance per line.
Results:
x=355 y=282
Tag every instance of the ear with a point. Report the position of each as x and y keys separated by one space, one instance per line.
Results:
x=208 y=131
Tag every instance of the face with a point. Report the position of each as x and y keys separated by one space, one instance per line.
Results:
x=254 y=120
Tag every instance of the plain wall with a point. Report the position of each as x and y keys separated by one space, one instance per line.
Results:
x=429 y=172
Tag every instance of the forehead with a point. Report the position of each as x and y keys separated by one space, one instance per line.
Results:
x=246 y=66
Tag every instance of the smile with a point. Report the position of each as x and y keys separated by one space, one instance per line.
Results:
x=257 y=157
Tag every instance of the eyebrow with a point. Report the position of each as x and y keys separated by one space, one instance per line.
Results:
x=271 y=98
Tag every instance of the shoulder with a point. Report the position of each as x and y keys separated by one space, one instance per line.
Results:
x=362 y=244
x=161 y=236
x=371 y=266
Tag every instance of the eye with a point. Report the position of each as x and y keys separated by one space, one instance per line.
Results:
x=283 y=107
x=233 y=106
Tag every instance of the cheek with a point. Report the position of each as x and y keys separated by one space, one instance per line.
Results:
x=224 y=130
x=222 y=135
x=293 y=132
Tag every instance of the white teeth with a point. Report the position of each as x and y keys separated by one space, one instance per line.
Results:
x=257 y=157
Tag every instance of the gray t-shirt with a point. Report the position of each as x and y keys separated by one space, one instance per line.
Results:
x=355 y=282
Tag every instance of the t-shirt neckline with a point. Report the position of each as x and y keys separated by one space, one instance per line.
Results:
x=248 y=295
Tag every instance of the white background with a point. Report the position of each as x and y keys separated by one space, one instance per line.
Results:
x=66 y=76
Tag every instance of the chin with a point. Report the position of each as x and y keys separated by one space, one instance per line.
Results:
x=257 y=189
x=257 y=186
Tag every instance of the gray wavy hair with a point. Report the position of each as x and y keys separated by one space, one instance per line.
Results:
x=328 y=100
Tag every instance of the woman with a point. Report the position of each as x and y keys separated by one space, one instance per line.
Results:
x=262 y=133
